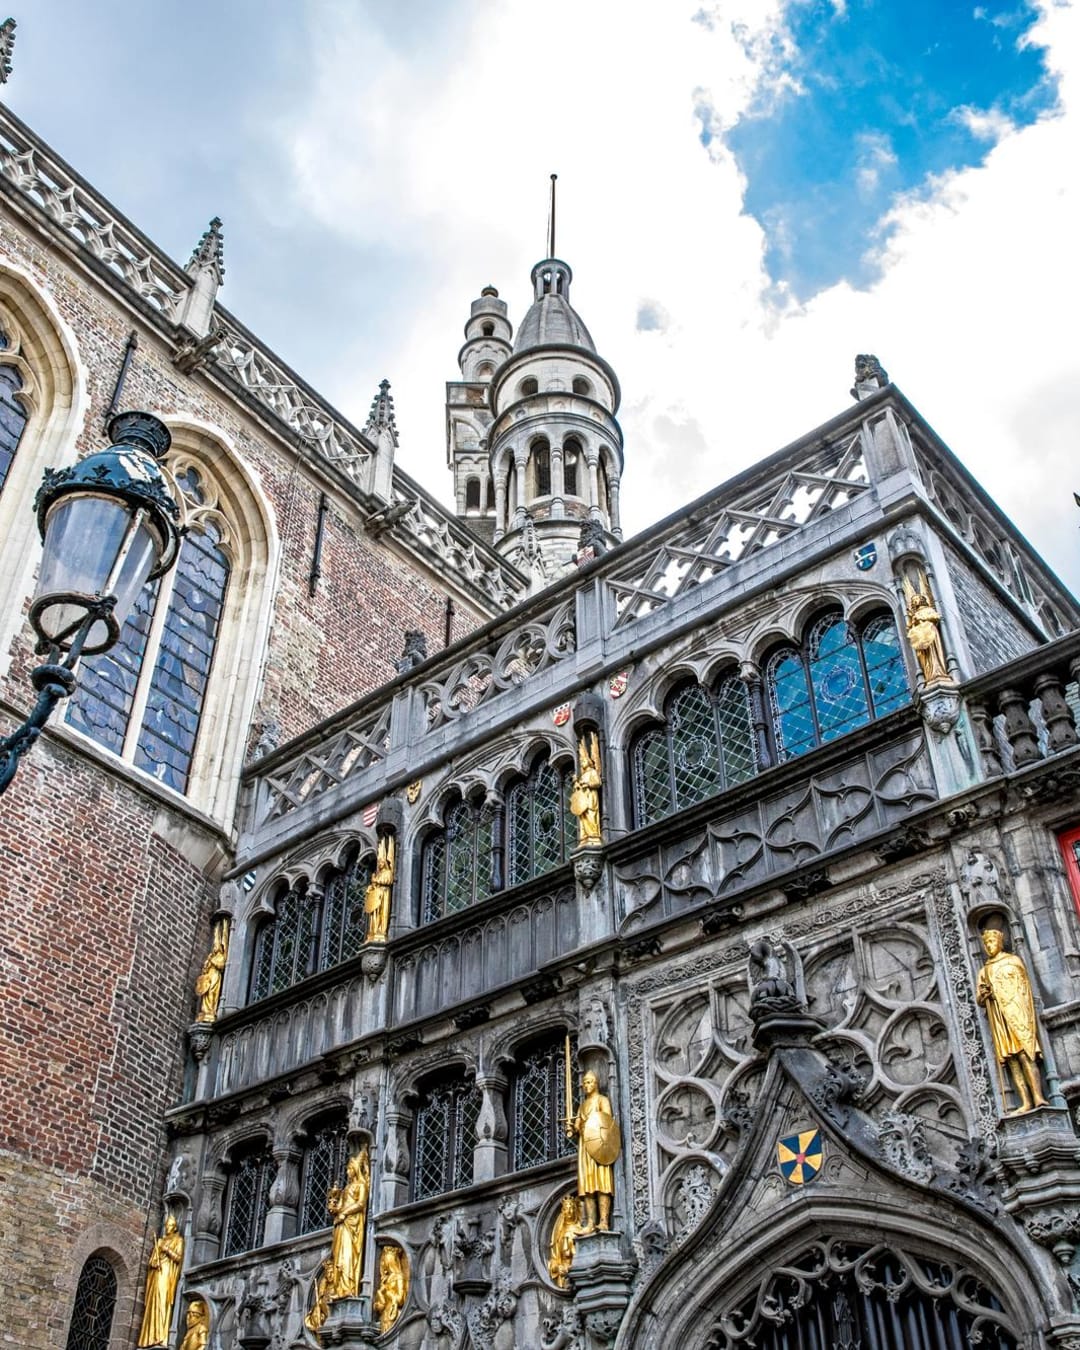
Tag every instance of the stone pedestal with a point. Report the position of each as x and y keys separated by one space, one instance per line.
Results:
x=601 y=1276
x=350 y=1323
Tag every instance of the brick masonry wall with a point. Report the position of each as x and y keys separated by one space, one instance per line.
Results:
x=994 y=635
x=108 y=890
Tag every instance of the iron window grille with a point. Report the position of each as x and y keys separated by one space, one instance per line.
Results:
x=13 y=416
x=445 y=1136
x=95 y=1304
x=248 y=1198
x=323 y=1167
x=538 y=1104
x=541 y=833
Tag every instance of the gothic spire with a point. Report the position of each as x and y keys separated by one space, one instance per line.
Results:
x=209 y=251
x=381 y=416
x=7 y=47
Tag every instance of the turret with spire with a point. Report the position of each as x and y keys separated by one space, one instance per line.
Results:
x=540 y=418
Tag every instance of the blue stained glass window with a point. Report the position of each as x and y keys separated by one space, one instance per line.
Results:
x=102 y=701
x=836 y=675
x=793 y=714
x=885 y=671
x=12 y=419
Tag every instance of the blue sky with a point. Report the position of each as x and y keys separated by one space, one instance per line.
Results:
x=751 y=192
x=868 y=100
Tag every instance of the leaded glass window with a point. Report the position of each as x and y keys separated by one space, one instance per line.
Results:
x=457 y=861
x=13 y=418
x=344 y=923
x=144 y=698
x=538 y=1104
x=323 y=1167
x=250 y=1178
x=838 y=680
x=706 y=747
x=445 y=1136
x=95 y=1304
x=541 y=832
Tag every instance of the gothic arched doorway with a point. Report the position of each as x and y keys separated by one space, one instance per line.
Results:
x=838 y=1295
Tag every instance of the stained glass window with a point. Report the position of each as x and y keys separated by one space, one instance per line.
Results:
x=706 y=746
x=457 y=861
x=323 y=1167
x=538 y=1104
x=444 y=1136
x=95 y=1303
x=247 y=1200
x=540 y=829
x=144 y=698
x=311 y=929
x=837 y=681
x=12 y=418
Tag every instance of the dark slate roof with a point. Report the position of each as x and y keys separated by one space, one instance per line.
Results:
x=552 y=322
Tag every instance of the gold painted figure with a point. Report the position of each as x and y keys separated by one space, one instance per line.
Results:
x=599 y=1142
x=380 y=887
x=1004 y=990
x=923 y=630
x=563 y=1241
x=208 y=984
x=197 y=1331
x=393 y=1287
x=349 y=1210
x=162 y=1277
x=325 y=1288
x=585 y=792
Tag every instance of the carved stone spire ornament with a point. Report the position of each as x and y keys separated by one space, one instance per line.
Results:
x=209 y=251
x=7 y=48
x=381 y=416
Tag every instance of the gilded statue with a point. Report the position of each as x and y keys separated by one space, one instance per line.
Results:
x=563 y=1240
x=393 y=1286
x=599 y=1142
x=585 y=791
x=208 y=984
x=380 y=887
x=325 y=1290
x=340 y=1273
x=923 y=631
x=197 y=1326
x=162 y=1277
x=1004 y=990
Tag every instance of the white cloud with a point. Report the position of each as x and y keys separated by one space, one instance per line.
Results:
x=985 y=124
x=875 y=153
x=445 y=163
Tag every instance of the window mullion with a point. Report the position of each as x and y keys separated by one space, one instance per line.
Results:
x=146 y=670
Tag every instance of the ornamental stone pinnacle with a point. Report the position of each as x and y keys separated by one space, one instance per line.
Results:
x=210 y=251
x=381 y=416
x=7 y=47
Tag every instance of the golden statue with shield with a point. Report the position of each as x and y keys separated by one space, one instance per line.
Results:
x=599 y=1143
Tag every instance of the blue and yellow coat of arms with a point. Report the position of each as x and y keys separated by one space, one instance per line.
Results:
x=800 y=1156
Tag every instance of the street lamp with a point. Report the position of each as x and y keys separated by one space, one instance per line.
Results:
x=108 y=525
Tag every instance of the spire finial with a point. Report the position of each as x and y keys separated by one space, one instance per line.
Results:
x=210 y=250
x=551 y=219
x=7 y=46
x=381 y=416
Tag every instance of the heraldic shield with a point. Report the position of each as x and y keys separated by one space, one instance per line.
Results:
x=601 y=1138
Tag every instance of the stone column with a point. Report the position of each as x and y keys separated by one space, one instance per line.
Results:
x=593 y=460
x=750 y=674
x=397 y=1160
x=521 y=459
x=284 y=1194
x=558 y=484
x=489 y=1156
x=207 y=1221
x=500 y=503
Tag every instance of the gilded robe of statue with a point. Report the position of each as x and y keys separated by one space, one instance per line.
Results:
x=563 y=1245
x=349 y=1210
x=162 y=1277
x=585 y=791
x=380 y=887
x=1004 y=990
x=208 y=984
x=393 y=1287
x=923 y=632
x=599 y=1142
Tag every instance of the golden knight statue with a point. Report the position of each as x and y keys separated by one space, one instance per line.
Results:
x=585 y=791
x=380 y=888
x=599 y=1142
x=197 y=1326
x=1004 y=990
x=162 y=1277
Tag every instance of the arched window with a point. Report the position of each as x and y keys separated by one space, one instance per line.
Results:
x=457 y=861
x=839 y=679
x=487 y=329
x=538 y=1103
x=247 y=1198
x=472 y=494
x=444 y=1135
x=312 y=928
x=571 y=466
x=540 y=463
x=706 y=746
x=581 y=386
x=143 y=700
x=95 y=1304
x=490 y=500
x=13 y=416
x=323 y=1166
x=540 y=831
x=527 y=387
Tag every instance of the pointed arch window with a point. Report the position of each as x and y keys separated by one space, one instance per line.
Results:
x=247 y=1198
x=538 y=1103
x=706 y=746
x=839 y=679
x=457 y=866
x=323 y=1166
x=94 y=1307
x=444 y=1132
x=13 y=416
x=143 y=699
x=540 y=831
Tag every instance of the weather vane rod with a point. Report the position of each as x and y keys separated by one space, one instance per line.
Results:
x=551 y=219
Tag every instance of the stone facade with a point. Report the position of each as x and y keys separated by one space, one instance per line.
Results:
x=768 y=953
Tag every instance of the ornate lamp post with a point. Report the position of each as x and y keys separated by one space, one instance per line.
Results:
x=108 y=524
